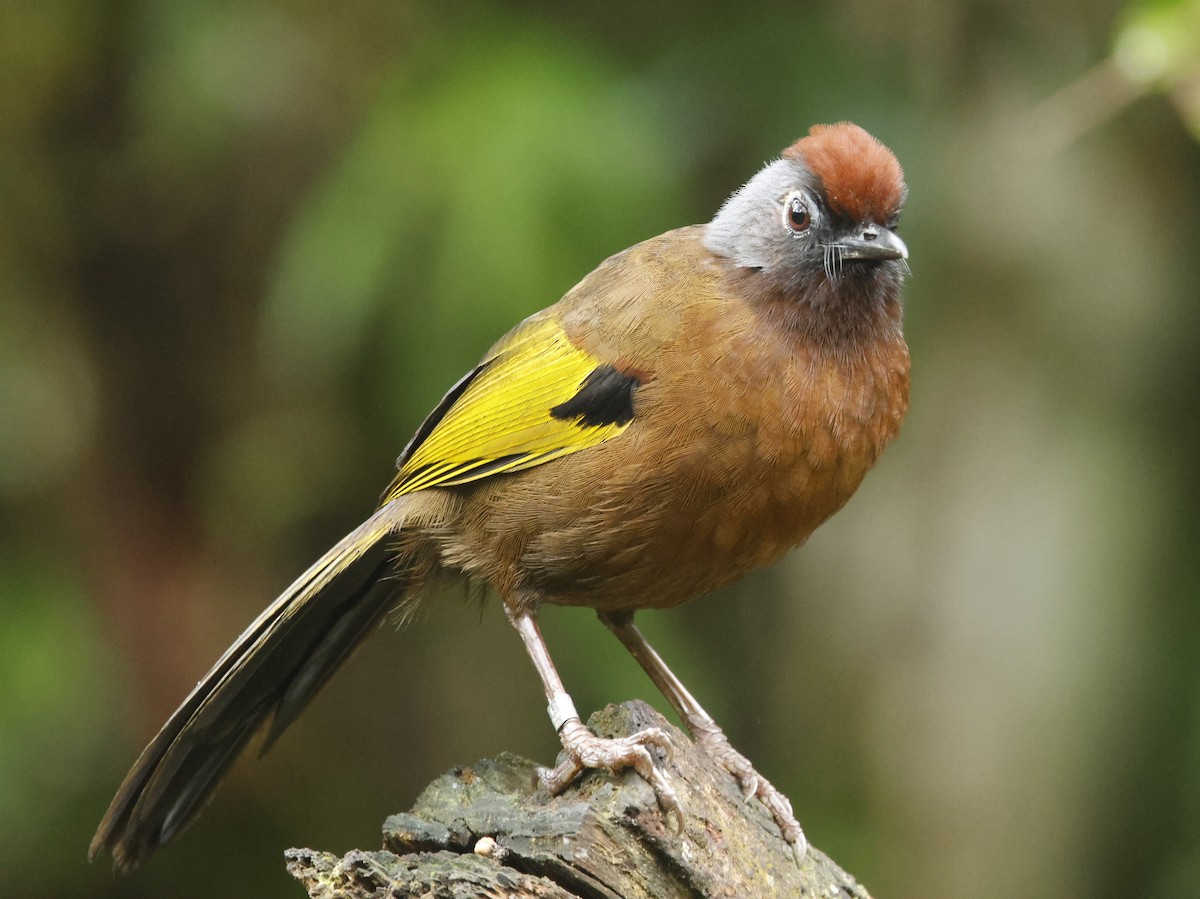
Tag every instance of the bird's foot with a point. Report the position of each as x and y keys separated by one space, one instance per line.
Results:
x=714 y=743
x=585 y=750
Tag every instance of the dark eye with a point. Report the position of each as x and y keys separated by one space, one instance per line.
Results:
x=796 y=215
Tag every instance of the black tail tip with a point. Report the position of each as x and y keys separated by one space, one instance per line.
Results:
x=125 y=857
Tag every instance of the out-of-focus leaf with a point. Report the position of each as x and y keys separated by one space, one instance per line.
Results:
x=55 y=724
x=1159 y=45
x=48 y=402
x=473 y=192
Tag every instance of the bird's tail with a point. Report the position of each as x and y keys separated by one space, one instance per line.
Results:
x=272 y=670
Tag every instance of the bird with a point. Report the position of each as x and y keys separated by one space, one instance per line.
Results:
x=692 y=409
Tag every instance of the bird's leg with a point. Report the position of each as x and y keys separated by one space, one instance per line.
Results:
x=583 y=748
x=705 y=731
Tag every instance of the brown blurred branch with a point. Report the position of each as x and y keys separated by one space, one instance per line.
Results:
x=489 y=830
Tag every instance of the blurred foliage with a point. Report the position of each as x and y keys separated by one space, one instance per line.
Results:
x=245 y=245
x=1158 y=46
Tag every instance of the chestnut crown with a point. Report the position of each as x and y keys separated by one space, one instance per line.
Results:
x=828 y=207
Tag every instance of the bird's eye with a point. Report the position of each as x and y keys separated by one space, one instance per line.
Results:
x=796 y=215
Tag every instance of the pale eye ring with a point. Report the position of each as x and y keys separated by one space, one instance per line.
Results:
x=797 y=214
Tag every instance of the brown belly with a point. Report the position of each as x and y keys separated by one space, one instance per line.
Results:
x=650 y=521
x=702 y=487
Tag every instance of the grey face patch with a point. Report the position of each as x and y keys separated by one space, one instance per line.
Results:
x=749 y=229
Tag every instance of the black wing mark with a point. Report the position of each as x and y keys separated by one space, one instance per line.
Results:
x=604 y=398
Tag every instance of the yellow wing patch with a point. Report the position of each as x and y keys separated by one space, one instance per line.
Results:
x=502 y=421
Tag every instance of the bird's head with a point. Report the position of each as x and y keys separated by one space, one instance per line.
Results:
x=818 y=225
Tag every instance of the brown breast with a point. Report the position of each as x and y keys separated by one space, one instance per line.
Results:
x=746 y=437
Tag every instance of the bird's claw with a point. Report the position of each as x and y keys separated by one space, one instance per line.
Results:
x=584 y=750
x=714 y=743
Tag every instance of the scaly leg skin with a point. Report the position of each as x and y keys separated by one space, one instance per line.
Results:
x=586 y=750
x=705 y=731
x=583 y=748
x=713 y=741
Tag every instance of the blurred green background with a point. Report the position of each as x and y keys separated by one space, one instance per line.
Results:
x=245 y=246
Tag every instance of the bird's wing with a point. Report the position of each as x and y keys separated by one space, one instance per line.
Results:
x=536 y=397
